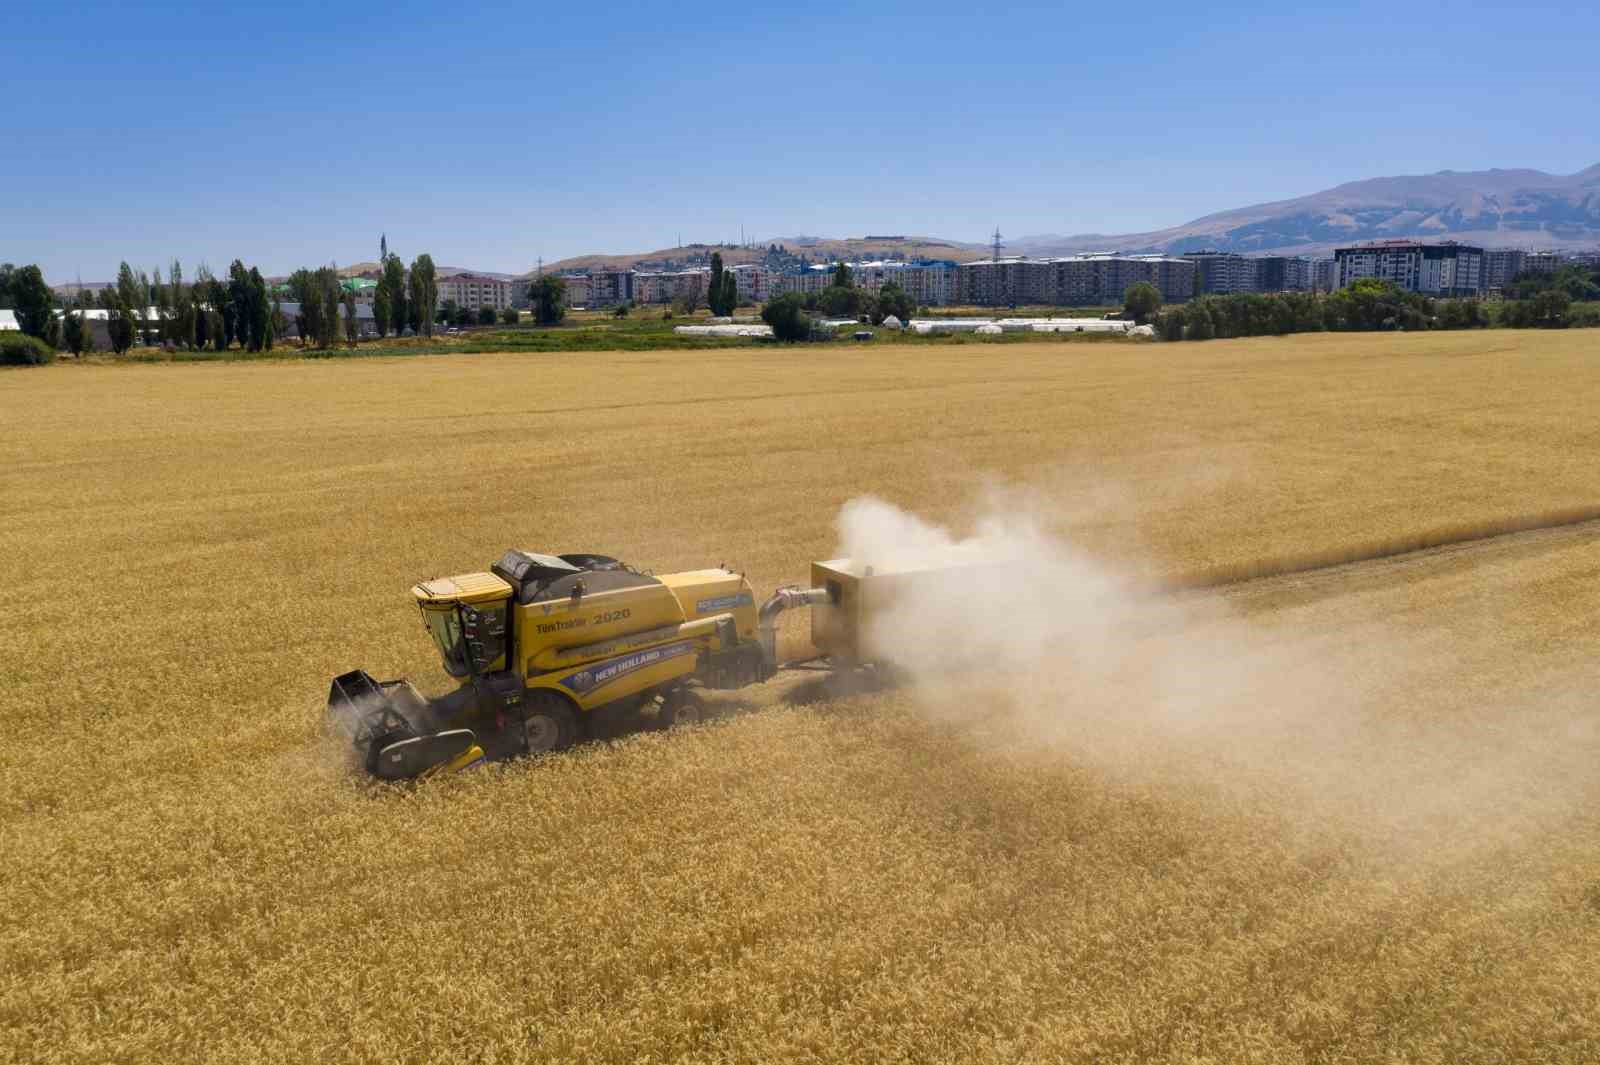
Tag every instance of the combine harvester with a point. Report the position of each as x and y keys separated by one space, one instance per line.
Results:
x=542 y=642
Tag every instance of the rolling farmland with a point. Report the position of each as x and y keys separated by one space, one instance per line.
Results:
x=1342 y=815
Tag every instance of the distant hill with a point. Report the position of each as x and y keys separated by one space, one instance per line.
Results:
x=374 y=269
x=1499 y=208
x=819 y=248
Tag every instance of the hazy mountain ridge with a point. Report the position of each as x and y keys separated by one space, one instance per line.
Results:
x=1510 y=208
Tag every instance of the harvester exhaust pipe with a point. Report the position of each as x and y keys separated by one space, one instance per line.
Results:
x=767 y=618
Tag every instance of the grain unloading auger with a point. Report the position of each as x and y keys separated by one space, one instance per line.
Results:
x=541 y=643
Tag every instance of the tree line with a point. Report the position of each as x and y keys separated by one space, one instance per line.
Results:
x=1368 y=304
x=790 y=315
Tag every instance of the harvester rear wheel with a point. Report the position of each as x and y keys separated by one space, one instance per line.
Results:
x=547 y=723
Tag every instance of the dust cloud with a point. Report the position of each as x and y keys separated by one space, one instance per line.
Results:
x=1327 y=716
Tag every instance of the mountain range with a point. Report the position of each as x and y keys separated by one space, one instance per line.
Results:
x=1495 y=208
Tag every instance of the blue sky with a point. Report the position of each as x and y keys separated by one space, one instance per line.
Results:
x=294 y=134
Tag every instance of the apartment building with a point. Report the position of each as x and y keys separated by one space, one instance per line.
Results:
x=577 y=289
x=665 y=286
x=753 y=283
x=1282 y=273
x=473 y=291
x=1500 y=265
x=1074 y=281
x=608 y=288
x=1323 y=275
x=1007 y=282
x=1541 y=262
x=1222 y=272
x=1444 y=269
x=929 y=284
x=1104 y=280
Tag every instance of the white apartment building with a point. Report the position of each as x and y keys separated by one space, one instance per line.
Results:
x=577 y=289
x=1446 y=269
x=473 y=291
x=665 y=286
x=754 y=283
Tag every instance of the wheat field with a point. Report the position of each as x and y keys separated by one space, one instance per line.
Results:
x=1337 y=816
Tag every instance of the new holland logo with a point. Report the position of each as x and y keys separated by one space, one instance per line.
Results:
x=724 y=602
x=599 y=676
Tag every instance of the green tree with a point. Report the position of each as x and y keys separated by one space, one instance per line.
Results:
x=259 y=309
x=180 y=326
x=130 y=294
x=424 y=294
x=75 y=332
x=714 y=289
x=787 y=316
x=394 y=282
x=892 y=299
x=352 y=324
x=841 y=276
x=380 y=309
x=840 y=301
x=1549 y=308
x=239 y=304
x=1201 y=324
x=1142 y=301
x=120 y=328
x=510 y=316
x=7 y=271
x=549 y=300
x=722 y=290
x=486 y=316
x=33 y=301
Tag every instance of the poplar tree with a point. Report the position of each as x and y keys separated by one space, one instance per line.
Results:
x=424 y=294
x=394 y=279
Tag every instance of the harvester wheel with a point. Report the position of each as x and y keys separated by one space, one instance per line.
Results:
x=547 y=723
x=682 y=707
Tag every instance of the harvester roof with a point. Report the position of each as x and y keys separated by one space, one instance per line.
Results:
x=463 y=588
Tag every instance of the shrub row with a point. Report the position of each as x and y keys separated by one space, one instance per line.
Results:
x=19 y=349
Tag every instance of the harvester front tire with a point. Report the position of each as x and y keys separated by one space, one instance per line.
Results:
x=682 y=707
x=548 y=724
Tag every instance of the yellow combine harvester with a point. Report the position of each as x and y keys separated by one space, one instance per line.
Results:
x=540 y=642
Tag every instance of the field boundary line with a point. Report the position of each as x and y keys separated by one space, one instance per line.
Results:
x=1375 y=550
